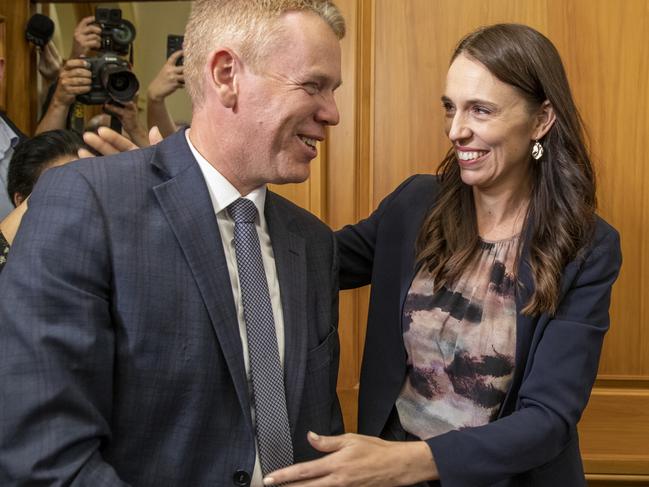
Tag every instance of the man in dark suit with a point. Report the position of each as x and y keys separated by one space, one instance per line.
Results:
x=132 y=314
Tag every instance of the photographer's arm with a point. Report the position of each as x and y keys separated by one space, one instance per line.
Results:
x=75 y=79
x=49 y=62
x=168 y=80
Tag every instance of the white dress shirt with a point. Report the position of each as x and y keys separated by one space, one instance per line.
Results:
x=222 y=193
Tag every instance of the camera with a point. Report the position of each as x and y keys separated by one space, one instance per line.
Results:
x=112 y=78
x=175 y=43
x=117 y=34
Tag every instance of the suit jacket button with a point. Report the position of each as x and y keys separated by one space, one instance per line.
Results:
x=241 y=478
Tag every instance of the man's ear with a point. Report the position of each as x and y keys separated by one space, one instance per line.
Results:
x=18 y=198
x=545 y=120
x=223 y=75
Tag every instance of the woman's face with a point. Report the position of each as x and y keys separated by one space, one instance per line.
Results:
x=491 y=125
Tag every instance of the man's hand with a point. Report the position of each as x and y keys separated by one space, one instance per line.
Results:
x=168 y=79
x=106 y=141
x=49 y=62
x=87 y=36
x=75 y=79
x=359 y=461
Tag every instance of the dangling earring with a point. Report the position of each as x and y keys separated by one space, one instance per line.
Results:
x=537 y=150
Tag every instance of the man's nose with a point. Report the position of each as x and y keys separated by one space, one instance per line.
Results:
x=328 y=111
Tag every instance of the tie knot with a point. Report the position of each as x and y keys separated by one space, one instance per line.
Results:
x=243 y=211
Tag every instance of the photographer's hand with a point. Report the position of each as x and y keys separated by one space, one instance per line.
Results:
x=87 y=36
x=167 y=81
x=75 y=79
x=49 y=62
x=127 y=115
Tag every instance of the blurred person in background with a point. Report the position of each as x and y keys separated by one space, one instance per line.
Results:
x=30 y=159
x=10 y=135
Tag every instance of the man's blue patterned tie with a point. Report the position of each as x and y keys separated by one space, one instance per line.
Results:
x=269 y=397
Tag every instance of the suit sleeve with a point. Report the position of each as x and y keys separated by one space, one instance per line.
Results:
x=552 y=395
x=57 y=347
x=356 y=244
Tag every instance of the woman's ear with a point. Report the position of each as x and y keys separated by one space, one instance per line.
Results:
x=223 y=74
x=545 y=119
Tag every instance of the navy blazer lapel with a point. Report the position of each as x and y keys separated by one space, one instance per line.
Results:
x=409 y=267
x=185 y=200
x=289 y=250
x=525 y=324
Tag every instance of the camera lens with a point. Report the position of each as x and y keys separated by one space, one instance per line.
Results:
x=120 y=83
x=123 y=35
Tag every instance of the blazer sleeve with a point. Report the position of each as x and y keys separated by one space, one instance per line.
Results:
x=356 y=243
x=553 y=394
x=57 y=347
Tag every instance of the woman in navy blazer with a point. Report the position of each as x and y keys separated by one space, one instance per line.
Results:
x=491 y=286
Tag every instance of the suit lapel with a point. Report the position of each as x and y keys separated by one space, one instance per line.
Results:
x=290 y=261
x=186 y=203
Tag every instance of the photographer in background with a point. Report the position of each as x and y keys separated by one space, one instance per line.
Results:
x=76 y=79
x=103 y=79
x=168 y=80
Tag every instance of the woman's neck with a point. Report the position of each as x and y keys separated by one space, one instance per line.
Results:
x=501 y=215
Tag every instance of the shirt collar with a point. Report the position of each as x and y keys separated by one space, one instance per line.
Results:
x=222 y=192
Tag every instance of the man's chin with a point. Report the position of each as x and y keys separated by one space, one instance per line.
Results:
x=294 y=177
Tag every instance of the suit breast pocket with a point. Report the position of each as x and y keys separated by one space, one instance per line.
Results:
x=322 y=355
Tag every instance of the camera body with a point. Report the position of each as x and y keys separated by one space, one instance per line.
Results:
x=112 y=78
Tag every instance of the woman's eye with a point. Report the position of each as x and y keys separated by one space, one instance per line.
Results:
x=448 y=108
x=481 y=110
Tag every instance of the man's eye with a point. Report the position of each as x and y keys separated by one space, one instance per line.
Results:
x=311 y=88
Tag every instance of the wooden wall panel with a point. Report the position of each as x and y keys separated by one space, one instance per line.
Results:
x=615 y=428
x=20 y=67
x=342 y=193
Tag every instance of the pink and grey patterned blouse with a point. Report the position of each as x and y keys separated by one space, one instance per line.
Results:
x=461 y=345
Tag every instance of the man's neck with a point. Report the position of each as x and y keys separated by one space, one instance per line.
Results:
x=217 y=156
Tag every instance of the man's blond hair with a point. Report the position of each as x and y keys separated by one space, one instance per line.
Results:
x=248 y=26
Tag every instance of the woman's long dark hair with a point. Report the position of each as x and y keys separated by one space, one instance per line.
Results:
x=561 y=214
